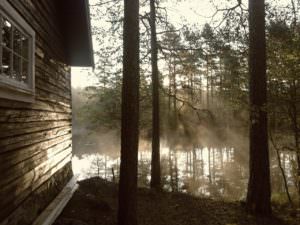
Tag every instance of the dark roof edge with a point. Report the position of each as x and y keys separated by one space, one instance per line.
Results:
x=74 y=16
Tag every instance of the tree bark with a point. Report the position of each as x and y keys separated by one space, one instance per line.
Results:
x=281 y=167
x=209 y=167
x=155 y=161
x=127 y=211
x=194 y=164
x=207 y=83
x=295 y=127
x=259 y=191
x=176 y=172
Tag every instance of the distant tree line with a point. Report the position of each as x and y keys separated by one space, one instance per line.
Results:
x=223 y=77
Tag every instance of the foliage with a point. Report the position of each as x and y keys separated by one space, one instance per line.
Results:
x=203 y=76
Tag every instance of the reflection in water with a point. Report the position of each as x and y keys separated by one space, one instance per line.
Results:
x=218 y=173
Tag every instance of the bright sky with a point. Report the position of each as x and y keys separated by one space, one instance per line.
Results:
x=80 y=77
x=179 y=13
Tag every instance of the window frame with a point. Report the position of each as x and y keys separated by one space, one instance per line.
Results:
x=9 y=88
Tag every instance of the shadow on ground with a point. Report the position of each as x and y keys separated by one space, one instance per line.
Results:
x=95 y=202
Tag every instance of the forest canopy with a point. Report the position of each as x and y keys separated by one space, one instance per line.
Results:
x=203 y=80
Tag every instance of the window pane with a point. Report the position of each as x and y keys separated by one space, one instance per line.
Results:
x=25 y=67
x=6 y=62
x=17 y=68
x=25 y=49
x=17 y=41
x=6 y=33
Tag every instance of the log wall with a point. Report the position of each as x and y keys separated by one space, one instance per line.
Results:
x=35 y=139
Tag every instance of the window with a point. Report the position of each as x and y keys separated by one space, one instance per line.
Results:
x=17 y=44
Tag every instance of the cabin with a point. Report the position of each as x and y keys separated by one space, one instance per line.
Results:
x=39 y=42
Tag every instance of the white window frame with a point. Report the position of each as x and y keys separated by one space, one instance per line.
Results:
x=10 y=88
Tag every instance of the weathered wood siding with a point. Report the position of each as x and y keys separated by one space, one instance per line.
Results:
x=35 y=139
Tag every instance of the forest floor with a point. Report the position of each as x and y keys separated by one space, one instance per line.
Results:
x=95 y=202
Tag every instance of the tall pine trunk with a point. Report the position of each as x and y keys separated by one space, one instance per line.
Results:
x=127 y=212
x=259 y=191
x=155 y=163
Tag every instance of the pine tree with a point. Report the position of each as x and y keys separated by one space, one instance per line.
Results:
x=127 y=212
x=259 y=190
x=155 y=161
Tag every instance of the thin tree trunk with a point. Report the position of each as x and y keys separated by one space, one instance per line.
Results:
x=194 y=163
x=127 y=211
x=214 y=166
x=187 y=163
x=297 y=144
x=113 y=175
x=295 y=127
x=207 y=83
x=200 y=90
x=282 y=171
x=222 y=159
x=171 y=171
x=202 y=163
x=209 y=167
x=155 y=162
x=190 y=164
x=259 y=190
x=98 y=166
x=176 y=172
x=105 y=166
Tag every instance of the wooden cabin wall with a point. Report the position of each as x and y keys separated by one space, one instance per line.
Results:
x=35 y=139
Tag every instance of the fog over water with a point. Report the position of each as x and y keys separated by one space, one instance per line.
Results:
x=213 y=172
x=204 y=110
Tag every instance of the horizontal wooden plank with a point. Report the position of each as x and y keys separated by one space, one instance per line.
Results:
x=44 y=95
x=50 y=9
x=54 y=90
x=13 y=143
x=22 y=116
x=31 y=207
x=19 y=185
x=51 y=69
x=14 y=129
x=44 y=19
x=12 y=158
x=47 y=24
x=37 y=105
x=44 y=79
x=57 y=69
x=11 y=204
x=35 y=139
x=18 y=170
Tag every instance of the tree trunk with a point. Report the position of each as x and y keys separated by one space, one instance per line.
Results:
x=105 y=166
x=214 y=166
x=209 y=167
x=295 y=127
x=194 y=164
x=297 y=145
x=259 y=193
x=127 y=211
x=190 y=164
x=176 y=172
x=155 y=162
x=202 y=162
x=286 y=188
x=171 y=170
x=207 y=83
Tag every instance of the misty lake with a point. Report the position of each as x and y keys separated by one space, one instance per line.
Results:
x=211 y=172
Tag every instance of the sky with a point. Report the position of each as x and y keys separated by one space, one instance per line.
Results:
x=180 y=12
x=80 y=77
